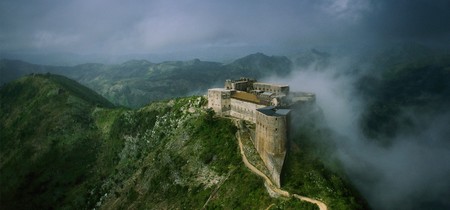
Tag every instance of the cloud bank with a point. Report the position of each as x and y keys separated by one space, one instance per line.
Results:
x=200 y=27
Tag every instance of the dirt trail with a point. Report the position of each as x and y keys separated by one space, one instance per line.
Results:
x=268 y=182
x=270 y=206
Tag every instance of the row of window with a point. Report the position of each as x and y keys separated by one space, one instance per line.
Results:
x=269 y=90
x=240 y=109
x=265 y=127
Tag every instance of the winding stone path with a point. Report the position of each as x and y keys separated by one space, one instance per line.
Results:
x=268 y=182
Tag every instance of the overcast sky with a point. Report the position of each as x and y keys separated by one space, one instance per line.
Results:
x=194 y=26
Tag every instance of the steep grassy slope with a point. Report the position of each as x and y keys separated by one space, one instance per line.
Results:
x=63 y=148
x=48 y=142
x=179 y=159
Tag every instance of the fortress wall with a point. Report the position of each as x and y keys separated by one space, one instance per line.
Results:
x=275 y=165
x=270 y=142
x=241 y=85
x=219 y=100
x=244 y=110
x=271 y=87
x=228 y=84
x=272 y=130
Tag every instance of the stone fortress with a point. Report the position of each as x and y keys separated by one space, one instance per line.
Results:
x=268 y=107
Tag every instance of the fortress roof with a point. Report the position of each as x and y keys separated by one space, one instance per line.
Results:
x=267 y=94
x=272 y=111
x=241 y=95
x=270 y=84
x=219 y=89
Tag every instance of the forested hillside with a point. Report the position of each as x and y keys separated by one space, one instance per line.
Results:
x=64 y=146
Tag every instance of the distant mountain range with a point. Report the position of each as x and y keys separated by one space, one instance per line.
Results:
x=422 y=73
x=138 y=82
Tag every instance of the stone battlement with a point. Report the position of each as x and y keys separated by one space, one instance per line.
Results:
x=266 y=105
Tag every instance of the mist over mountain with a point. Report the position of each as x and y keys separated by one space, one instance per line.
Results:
x=388 y=111
x=312 y=59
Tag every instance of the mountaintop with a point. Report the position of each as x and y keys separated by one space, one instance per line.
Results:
x=64 y=147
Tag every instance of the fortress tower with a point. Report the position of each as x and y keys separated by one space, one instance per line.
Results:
x=271 y=138
x=267 y=106
x=219 y=100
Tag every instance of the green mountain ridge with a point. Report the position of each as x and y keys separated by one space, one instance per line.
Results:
x=65 y=147
x=137 y=82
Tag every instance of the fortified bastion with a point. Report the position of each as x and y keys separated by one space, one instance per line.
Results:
x=268 y=107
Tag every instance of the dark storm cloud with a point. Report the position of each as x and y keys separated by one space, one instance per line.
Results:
x=65 y=26
x=163 y=26
x=410 y=19
x=115 y=26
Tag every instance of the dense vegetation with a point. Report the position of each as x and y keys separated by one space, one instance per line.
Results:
x=64 y=147
x=48 y=142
